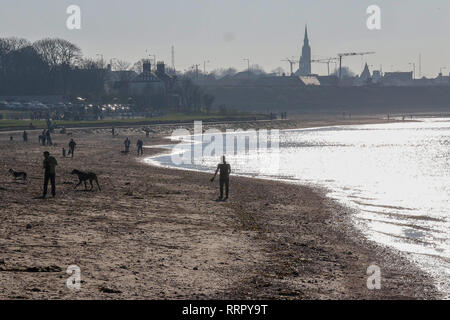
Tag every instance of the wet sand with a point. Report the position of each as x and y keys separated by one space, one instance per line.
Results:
x=155 y=233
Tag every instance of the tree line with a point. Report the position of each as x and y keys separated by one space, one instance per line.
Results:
x=50 y=66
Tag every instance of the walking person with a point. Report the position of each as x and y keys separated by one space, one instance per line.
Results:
x=127 y=143
x=140 y=145
x=72 y=145
x=49 y=165
x=43 y=137
x=224 y=177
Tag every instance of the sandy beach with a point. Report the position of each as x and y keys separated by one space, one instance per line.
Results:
x=155 y=233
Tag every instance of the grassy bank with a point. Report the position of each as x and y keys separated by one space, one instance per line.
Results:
x=169 y=119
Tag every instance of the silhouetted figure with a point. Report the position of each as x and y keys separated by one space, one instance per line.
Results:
x=127 y=143
x=48 y=137
x=49 y=165
x=11 y=138
x=25 y=136
x=147 y=132
x=64 y=152
x=113 y=131
x=225 y=170
x=72 y=145
x=42 y=137
x=140 y=145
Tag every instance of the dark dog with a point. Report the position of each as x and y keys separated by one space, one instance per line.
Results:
x=84 y=177
x=18 y=175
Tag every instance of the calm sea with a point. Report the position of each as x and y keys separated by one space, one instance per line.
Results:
x=396 y=176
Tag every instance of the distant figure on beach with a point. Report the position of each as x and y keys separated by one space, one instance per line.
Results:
x=64 y=152
x=389 y=116
x=140 y=145
x=49 y=165
x=225 y=170
x=11 y=138
x=25 y=136
x=127 y=143
x=113 y=131
x=48 y=137
x=42 y=137
x=72 y=145
x=147 y=132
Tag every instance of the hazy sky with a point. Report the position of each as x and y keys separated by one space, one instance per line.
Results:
x=227 y=31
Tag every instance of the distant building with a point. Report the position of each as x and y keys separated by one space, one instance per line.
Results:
x=146 y=83
x=376 y=76
x=398 y=78
x=365 y=78
x=311 y=80
x=328 y=80
x=305 y=60
x=117 y=79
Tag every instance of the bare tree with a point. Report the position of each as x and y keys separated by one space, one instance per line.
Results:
x=278 y=71
x=58 y=52
x=121 y=65
x=8 y=45
x=220 y=73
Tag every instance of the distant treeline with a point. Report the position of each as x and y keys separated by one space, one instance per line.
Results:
x=48 y=66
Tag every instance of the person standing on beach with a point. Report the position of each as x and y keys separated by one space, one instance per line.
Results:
x=48 y=137
x=140 y=145
x=49 y=165
x=72 y=145
x=25 y=136
x=225 y=169
x=127 y=143
x=43 y=136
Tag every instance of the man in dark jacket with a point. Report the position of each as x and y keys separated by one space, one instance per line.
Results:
x=140 y=145
x=225 y=170
x=72 y=145
x=49 y=165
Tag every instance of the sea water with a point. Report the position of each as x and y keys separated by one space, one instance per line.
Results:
x=395 y=175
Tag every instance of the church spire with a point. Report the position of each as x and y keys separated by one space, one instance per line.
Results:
x=306 y=40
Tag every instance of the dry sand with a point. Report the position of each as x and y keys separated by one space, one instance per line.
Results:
x=154 y=233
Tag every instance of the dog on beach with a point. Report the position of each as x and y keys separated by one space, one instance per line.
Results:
x=17 y=175
x=84 y=177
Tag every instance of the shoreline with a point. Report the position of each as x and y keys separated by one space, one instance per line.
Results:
x=156 y=233
x=350 y=228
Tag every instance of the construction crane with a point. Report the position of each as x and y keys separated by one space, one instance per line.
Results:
x=327 y=61
x=292 y=62
x=340 y=55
